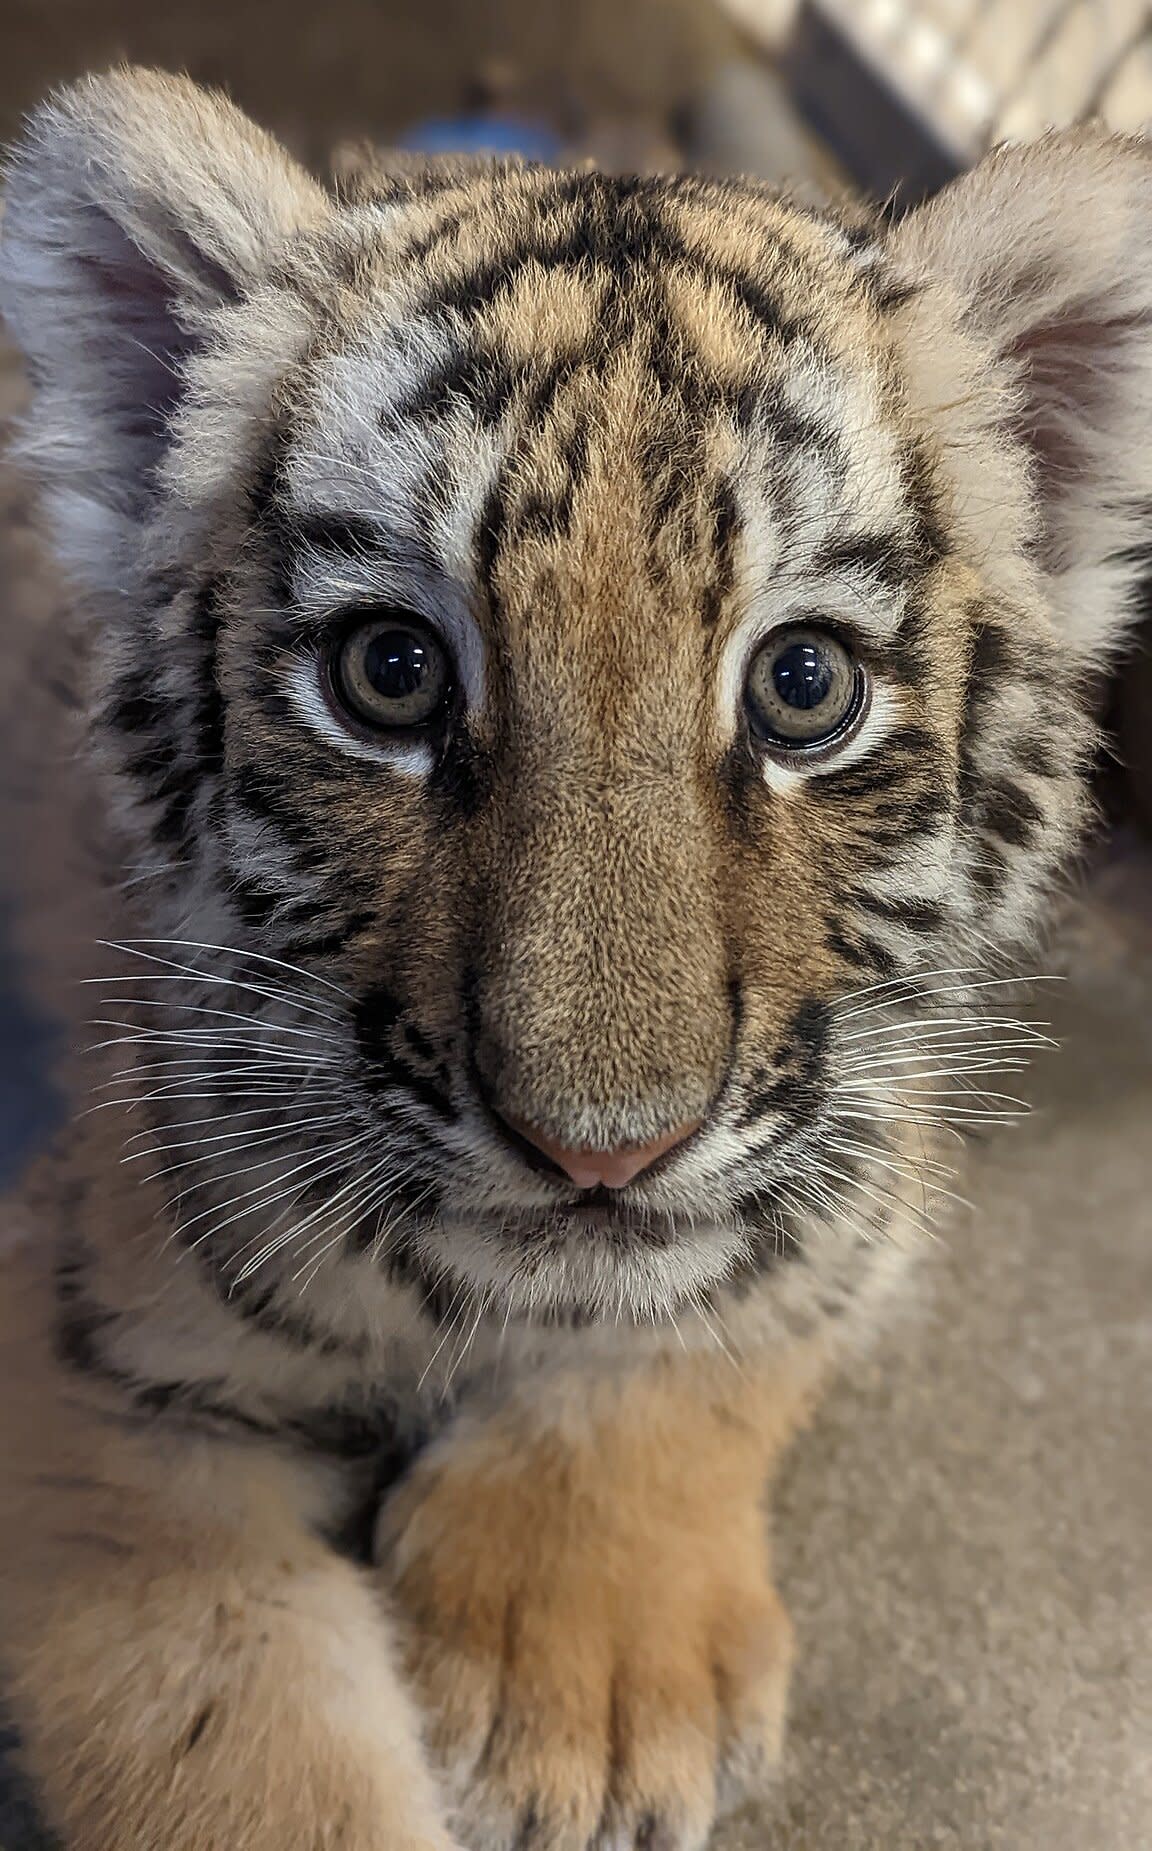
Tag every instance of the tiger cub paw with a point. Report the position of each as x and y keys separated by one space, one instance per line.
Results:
x=596 y=1673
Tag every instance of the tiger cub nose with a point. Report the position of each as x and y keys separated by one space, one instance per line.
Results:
x=606 y=1169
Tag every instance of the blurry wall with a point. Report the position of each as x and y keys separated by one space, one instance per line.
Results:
x=319 y=70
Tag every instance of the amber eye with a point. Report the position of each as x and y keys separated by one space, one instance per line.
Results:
x=804 y=689
x=389 y=671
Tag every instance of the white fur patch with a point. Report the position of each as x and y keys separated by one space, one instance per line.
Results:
x=784 y=776
x=412 y=759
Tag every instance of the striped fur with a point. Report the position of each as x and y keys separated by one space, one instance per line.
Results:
x=604 y=435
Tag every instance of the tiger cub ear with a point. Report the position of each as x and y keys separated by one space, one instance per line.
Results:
x=1042 y=256
x=137 y=205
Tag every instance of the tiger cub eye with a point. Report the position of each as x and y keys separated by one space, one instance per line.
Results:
x=389 y=671
x=803 y=689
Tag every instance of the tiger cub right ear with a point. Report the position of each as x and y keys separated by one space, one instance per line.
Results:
x=1043 y=254
x=137 y=205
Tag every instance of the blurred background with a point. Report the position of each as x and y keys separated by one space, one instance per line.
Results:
x=966 y=1541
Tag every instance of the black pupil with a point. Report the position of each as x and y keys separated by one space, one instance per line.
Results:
x=802 y=675
x=397 y=663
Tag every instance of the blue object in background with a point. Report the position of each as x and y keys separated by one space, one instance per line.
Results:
x=499 y=135
x=30 y=1108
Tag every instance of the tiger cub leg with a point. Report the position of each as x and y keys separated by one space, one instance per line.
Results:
x=190 y=1667
x=583 y=1584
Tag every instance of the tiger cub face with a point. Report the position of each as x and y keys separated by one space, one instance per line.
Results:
x=592 y=667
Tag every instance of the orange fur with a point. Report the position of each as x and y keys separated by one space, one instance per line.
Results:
x=192 y=1668
x=583 y=1582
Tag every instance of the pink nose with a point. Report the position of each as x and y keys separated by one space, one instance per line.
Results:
x=608 y=1169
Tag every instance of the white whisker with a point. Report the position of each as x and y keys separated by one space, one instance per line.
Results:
x=461 y=1293
x=162 y=1038
x=355 y=1183
x=132 y=945
x=252 y=1024
x=253 y=1199
x=229 y=1142
x=189 y=974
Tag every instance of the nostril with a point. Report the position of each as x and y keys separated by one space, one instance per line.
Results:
x=596 y=1169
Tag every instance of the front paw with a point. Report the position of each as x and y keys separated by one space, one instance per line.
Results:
x=598 y=1671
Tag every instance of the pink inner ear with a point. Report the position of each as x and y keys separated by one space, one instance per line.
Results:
x=126 y=317
x=1072 y=370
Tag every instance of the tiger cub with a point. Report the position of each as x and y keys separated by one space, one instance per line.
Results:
x=586 y=677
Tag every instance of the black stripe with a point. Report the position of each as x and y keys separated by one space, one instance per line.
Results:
x=420 y=246
x=490 y=532
x=795 y=1079
x=327 y=944
x=262 y=1308
x=790 y=428
x=752 y=294
x=910 y=656
x=379 y=1022
x=177 y=794
x=775 y=1239
x=726 y=528
x=338 y=1429
x=135 y=706
x=487 y=381
x=403 y=1266
x=80 y=1324
x=992 y=663
x=990 y=870
x=913 y=816
x=1009 y=812
x=888 y=558
x=262 y=794
x=346 y=1432
x=862 y=952
x=908 y=752
x=1036 y=757
x=268 y=506
x=255 y=904
x=890 y=293
x=152 y=763
x=870 y=778
x=206 y=625
x=932 y=540
x=916 y=915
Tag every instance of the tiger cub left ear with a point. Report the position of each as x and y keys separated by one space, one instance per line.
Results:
x=1042 y=256
x=137 y=207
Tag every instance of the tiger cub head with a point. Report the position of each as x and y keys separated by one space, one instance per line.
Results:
x=593 y=669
